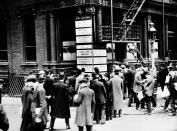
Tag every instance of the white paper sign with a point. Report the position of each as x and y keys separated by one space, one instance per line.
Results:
x=99 y=52
x=100 y=60
x=83 y=23
x=84 y=46
x=84 y=53
x=84 y=31
x=84 y=39
x=84 y=61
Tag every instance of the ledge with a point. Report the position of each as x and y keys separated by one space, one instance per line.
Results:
x=29 y=64
x=51 y=63
x=4 y=63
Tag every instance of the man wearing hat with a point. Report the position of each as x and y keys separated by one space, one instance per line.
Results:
x=60 y=109
x=84 y=112
x=100 y=98
x=117 y=84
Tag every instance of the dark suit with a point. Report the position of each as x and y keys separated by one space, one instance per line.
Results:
x=48 y=86
x=61 y=103
x=4 y=122
x=27 y=123
x=100 y=98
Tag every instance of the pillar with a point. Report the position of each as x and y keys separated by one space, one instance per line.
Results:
x=145 y=37
x=165 y=39
x=52 y=38
x=99 y=20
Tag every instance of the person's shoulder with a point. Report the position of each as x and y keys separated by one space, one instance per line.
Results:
x=1 y=107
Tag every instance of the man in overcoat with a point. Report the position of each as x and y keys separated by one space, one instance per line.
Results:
x=138 y=85
x=84 y=112
x=61 y=103
x=39 y=102
x=117 y=85
x=4 y=122
x=100 y=98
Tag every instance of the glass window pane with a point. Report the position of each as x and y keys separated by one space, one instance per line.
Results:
x=29 y=30
x=31 y=54
x=3 y=56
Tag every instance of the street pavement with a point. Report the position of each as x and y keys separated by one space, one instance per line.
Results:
x=132 y=119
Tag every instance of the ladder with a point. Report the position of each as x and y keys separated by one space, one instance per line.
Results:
x=129 y=18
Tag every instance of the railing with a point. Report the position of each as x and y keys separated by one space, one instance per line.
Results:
x=133 y=34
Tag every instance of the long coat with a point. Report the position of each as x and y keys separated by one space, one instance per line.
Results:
x=61 y=101
x=4 y=122
x=138 y=83
x=117 y=84
x=84 y=111
x=39 y=101
x=149 y=86
x=27 y=123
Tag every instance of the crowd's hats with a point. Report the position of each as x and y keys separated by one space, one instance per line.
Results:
x=117 y=68
x=83 y=81
x=41 y=72
x=123 y=66
x=170 y=67
x=41 y=79
x=31 y=77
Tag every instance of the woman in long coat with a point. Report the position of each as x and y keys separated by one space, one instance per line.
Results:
x=84 y=112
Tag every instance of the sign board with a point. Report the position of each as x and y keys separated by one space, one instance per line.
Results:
x=84 y=39
x=101 y=67
x=99 y=52
x=88 y=68
x=100 y=60
x=84 y=61
x=83 y=23
x=84 y=31
x=84 y=47
x=83 y=53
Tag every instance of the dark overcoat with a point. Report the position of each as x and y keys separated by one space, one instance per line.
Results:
x=27 y=124
x=61 y=101
x=4 y=122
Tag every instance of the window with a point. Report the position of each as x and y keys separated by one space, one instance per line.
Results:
x=3 y=42
x=29 y=37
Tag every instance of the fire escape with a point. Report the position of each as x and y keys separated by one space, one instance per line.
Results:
x=125 y=31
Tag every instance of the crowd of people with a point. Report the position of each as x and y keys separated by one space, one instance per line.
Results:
x=97 y=97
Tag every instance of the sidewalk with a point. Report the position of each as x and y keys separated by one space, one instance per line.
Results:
x=132 y=119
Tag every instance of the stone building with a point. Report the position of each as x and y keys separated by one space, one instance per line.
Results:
x=68 y=33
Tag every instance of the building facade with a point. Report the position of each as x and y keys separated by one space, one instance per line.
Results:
x=67 y=33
